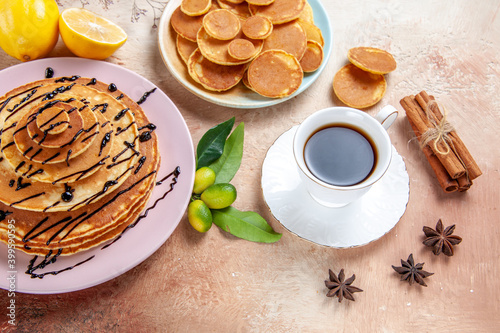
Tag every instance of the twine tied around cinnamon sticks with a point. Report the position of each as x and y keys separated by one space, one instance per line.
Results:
x=438 y=133
x=447 y=154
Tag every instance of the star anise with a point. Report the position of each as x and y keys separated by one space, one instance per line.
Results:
x=340 y=288
x=411 y=272
x=441 y=239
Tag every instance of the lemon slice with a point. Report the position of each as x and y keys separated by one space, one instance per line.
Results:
x=89 y=35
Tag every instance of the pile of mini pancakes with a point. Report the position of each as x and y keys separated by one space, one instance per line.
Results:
x=78 y=162
x=266 y=44
x=361 y=83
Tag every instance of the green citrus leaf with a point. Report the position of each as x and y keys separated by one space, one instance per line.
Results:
x=246 y=225
x=212 y=143
x=227 y=165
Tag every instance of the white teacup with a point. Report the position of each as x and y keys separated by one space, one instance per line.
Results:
x=374 y=128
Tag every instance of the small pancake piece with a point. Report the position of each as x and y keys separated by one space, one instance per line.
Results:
x=372 y=60
x=185 y=25
x=260 y=2
x=357 y=88
x=275 y=74
x=195 y=7
x=313 y=57
x=257 y=27
x=241 y=49
x=240 y=9
x=245 y=81
x=185 y=48
x=280 y=11
x=307 y=13
x=289 y=37
x=236 y=2
x=221 y=24
x=213 y=76
x=312 y=32
x=216 y=50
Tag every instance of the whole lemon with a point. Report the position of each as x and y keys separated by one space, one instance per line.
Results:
x=29 y=29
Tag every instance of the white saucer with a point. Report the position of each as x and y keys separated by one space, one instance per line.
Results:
x=356 y=224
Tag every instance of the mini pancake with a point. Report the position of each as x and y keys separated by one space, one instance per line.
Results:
x=241 y=49
x=185 y=47
x=238 y=9
x=195 y=7
x=313 y=57
x=275 y=74
x=289 y=37
x=372 y=60
x=236 y=2
x=213 y=76
x=257 y=27
x=217 y=50
x=307 y=13
x=260 y=2
x=312 y=32
x=221 y=24
x=280 y=11
x=358 y=88
x=190 y=67
x=245 y=81
x=185 y=25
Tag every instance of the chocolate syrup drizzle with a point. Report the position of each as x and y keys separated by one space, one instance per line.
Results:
x=145 y=96
x=49 y=72
x=47 y=261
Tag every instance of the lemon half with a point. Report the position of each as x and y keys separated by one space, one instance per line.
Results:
x=89 y=35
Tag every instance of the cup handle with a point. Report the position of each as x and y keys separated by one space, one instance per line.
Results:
x=386 y=116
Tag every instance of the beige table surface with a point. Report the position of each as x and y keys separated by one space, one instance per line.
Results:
x=214 y=282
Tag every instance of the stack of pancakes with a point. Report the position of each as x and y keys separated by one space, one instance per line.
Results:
x=78 y=163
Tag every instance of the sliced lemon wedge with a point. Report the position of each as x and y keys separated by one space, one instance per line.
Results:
x=89 y=35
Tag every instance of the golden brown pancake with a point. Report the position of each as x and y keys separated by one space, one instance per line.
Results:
x=221 y=24
x=241 y=49
x=185 y=25
x=312 y=32
x=257 y=27
x=275 y=73
x=260 y=2
x=358 y=88
x=289 y=37
x=213 y=76
x=372 y=60
x=313 y=57
x=195 y=7
x=240 y=9
x=185 y=47
x=78 y=213
x=280 y=11
x=307 y=13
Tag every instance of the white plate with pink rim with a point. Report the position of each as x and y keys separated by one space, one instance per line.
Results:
x=102 y=263
x=359 y=223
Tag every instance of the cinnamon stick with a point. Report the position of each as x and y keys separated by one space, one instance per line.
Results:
x=416 y=115
x=464 y=183
x=461 y=150
x=445 y=181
